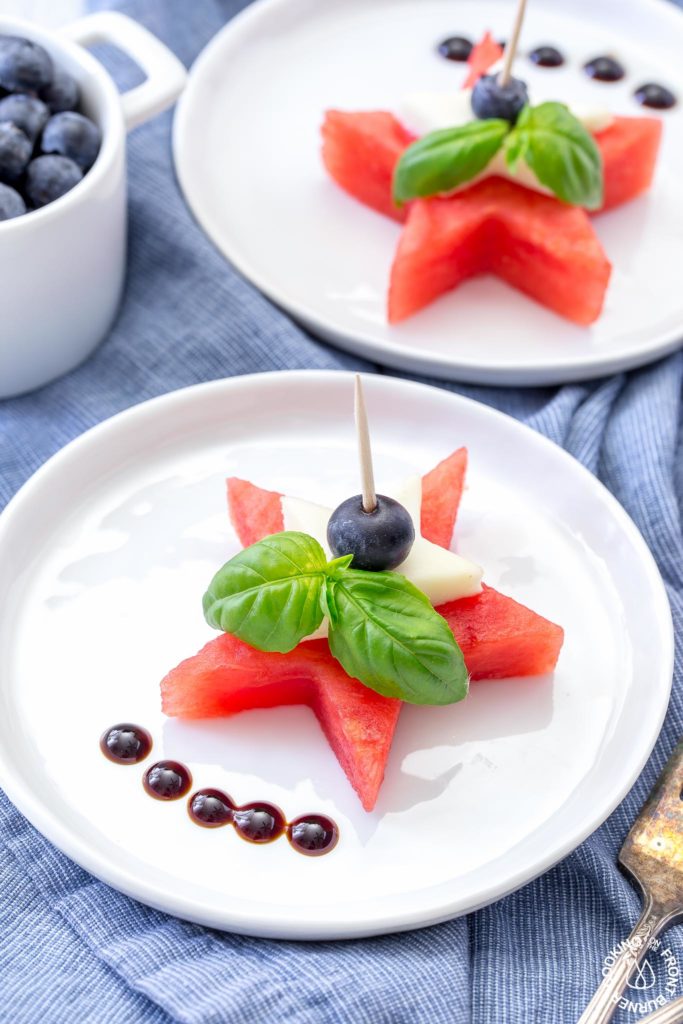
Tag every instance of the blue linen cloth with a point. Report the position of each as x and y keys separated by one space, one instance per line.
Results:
x=72 y=949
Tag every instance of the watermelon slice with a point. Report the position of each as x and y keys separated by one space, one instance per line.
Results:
x=376 y=140
x=546 y=249
x=227 y=676
x=442 y=490
x=483 y=56
x=500 y=638
x=254 y=512
x=629 y=149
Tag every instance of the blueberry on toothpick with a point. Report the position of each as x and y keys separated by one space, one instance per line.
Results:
x=378 y=531
x=490 y=99
x=502 y=96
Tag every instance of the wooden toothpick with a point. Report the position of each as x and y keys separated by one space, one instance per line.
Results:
x=367 y=477
x=511 y=45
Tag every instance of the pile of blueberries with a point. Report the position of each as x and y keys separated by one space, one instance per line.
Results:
x=46 y=145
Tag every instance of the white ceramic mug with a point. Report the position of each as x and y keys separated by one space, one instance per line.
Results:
x=62 y=267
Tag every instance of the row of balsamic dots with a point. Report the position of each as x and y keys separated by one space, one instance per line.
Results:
x=258 y=822
x=603 y=68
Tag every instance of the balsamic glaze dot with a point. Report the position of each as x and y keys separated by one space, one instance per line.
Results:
x=126 y=743
x=313 y=834
x=210 y=808
x=604 y=69
x=167 y=780
x=546 y=57
x=658 y=97
x=455 y=48
x=259 y=822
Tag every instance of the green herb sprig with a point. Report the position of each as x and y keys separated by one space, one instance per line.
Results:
x=548 y=138
x=382 y=629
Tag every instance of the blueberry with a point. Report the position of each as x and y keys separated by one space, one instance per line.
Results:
x=25 y=66
x=490 y=99
x=377 y=540
x=15 y=152
x=73 y=135
x=62 y=92
x=26 y=112
x=11 y=203
x=49 y=177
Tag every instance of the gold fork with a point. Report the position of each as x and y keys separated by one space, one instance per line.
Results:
x=653 y=855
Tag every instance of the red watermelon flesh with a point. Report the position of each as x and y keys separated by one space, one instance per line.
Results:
x=377 y=140
x=254 y=512
x=500 y=638
x=629 y=149
x=540 y=246
x=482 y=57
x=442 y=490
x=228 y=676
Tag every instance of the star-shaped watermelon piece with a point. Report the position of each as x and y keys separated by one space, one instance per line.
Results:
x=532 y=241
x=499 y=638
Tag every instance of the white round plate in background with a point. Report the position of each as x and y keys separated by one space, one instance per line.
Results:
x=105 y=555
x=247 y=153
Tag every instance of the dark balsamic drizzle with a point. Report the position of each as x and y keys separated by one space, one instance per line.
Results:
x=210 y=808
x=455 y=48
x=167 y=780
x=126 y=743
x=546 y=57
x=655 y=96
x=313 y=834
x=257 y=822
x=604 y=69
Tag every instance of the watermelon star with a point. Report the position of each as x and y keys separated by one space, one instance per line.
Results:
x=498 y=638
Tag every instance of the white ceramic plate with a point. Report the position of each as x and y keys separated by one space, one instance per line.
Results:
x=104 y=556
x=247 y=152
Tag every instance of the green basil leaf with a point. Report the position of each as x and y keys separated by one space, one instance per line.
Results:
x=561 y=153
x=442 y=160
x=270 y=594
x=386 y=634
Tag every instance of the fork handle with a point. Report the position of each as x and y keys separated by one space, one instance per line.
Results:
x=672 y=1013
x=604 y=1003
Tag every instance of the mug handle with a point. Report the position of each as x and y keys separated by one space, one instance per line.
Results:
x=166 y=76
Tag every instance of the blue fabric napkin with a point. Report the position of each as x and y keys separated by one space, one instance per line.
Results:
x=73 y=950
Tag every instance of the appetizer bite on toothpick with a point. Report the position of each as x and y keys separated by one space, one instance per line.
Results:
x=486 y=181
x=353 y=611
